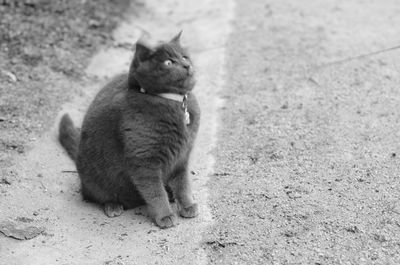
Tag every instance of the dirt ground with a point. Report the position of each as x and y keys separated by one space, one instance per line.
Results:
x=307 y=167
x=306 y=162
x=41 y=195
x=45 y=46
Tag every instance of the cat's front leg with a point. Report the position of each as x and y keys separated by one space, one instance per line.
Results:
x=149 y=183
x=181 y=187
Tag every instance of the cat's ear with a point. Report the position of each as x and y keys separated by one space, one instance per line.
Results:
x=142 y=52
x=177 y=38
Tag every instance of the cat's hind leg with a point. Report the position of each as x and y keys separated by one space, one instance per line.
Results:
x=94 y=193
x=113 y=209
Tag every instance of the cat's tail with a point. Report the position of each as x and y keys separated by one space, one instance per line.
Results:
x=69 y=136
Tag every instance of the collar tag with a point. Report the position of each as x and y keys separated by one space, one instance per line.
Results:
x=187 y=117
x=185 y=108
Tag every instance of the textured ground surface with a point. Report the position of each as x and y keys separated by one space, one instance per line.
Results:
x=40 y=191
x=307 y=158
x=307 y=165
x=44 y=48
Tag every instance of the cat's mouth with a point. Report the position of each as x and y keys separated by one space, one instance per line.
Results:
x=188 y=78
x=189 y=82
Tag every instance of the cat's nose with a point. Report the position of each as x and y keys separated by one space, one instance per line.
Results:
x=189 y=69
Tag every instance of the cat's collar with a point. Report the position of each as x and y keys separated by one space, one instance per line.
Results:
x=171 y=96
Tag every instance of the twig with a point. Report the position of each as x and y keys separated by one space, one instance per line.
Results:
x=44 y=187
x=358 y=57
x=69 y=171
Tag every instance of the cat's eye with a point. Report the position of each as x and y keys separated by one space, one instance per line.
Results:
x=184 y=58
x=167 y=62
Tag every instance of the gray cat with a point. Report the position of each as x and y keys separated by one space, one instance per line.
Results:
x=137 y=136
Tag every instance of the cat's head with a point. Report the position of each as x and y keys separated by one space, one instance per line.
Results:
x=166 y=68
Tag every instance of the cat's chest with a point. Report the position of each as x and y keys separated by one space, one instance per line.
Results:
x=164 y=118
x=173 y=123
x=159 y=129
x=163 y=126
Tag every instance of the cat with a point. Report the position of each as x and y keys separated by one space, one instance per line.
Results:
x=137 y=136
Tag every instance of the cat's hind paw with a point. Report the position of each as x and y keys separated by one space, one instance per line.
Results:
x=189 y=212
x=166 y=221
x=113 y=209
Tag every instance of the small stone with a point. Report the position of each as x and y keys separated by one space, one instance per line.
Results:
x=24 y=219
x=352 y=229
x=5 y=181
x=10 y=76
x=13 y=230
x=285 y=105
x=380 y=238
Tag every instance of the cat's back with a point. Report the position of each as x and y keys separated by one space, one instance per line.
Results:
x=106 y=97
x=103 y=115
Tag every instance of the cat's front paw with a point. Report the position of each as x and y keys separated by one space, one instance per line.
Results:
x=113 y=209
x=166 y=221
x=189 y=212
